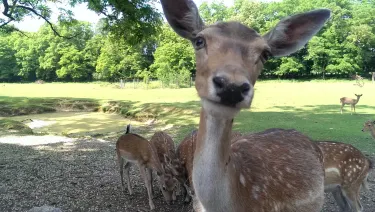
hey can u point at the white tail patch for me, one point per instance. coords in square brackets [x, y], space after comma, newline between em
[332, 170]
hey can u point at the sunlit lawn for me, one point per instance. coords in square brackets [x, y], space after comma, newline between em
[311, 107]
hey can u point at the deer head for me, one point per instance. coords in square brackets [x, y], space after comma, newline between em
[368, 126]
[230, 55]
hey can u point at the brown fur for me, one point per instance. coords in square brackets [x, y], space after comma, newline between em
[346, 170]
[369, 126]
[166, 152]
[350, 101]
[133, 148]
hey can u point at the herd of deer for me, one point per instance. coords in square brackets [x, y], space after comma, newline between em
[275, 170]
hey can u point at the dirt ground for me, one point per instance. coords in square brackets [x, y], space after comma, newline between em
[82, 175]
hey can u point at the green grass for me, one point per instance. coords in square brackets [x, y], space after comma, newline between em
[8, 126]
[311, 107]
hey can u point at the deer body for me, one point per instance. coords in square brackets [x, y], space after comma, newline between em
[254, 173]
[369, 126]
[166, 152]
[346, 170]
[264, 180]
[134, 149]
[349, 101]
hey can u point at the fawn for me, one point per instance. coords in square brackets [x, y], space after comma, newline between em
[346, 170]
[166, 153]
[134, 149]
[350, 101]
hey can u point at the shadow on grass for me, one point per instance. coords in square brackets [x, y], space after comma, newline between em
[320, 122]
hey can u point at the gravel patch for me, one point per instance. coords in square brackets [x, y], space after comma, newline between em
[82, 175]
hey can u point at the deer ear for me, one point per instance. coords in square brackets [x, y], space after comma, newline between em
[373, 122]
[293, 32]
[183, 16]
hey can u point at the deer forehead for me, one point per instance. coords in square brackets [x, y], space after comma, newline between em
[233, 37]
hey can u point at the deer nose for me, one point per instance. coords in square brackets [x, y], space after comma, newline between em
[230, 93]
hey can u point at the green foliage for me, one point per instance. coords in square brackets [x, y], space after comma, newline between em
[174, 59]
[131, 43]
[8, 62]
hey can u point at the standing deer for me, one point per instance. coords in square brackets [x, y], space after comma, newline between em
[134, 149]
[350, 101]
[166, 153]
[346, 170]
[369, 126]
[277, 172]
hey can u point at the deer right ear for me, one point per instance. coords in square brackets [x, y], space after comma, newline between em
[183, 16]
[293, 32]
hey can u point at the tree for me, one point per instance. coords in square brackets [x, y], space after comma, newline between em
[8, 63]
[130, 20]
[174, 58]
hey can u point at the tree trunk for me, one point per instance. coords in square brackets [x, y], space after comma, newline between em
[373, 77]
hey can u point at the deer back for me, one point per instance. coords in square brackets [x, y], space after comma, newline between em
[135, 149]
[274, 163]
[164, 146]
[344, 164]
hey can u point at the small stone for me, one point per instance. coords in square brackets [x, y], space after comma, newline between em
[45, 208]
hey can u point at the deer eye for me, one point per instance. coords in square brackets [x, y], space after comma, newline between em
[264, 56]
[199, 42]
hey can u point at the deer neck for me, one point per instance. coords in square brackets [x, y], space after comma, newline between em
[211, 177]
[358, 97]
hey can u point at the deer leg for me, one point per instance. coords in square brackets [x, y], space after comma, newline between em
[120, 162]
[342, 105]
[354, 108]
[127, 176]
[340, 199]
[353, 199]
[149, 178]
[144, 174]
[187, 193]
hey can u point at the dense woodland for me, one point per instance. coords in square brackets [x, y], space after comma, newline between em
[124, 49]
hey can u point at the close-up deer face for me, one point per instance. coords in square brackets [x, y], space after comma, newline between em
[230, 55]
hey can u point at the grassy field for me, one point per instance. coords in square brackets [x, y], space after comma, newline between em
[311, 107]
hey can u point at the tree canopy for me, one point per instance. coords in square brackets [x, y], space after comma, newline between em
[345, 46]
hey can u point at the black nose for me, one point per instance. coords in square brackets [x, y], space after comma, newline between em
[230, 93]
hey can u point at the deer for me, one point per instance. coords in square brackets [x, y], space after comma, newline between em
[346, 171]
[350, 101]
[369, 126]
[166, 153]
[185, 152]
[134, 149]
[276, 172]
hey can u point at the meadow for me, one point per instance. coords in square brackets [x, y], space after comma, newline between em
[311, 107]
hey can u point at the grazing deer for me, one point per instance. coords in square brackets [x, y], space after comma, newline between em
[277, 172]
[346, 170]
[369, 126]
[134, 149]
[166, 153]
[350, 101]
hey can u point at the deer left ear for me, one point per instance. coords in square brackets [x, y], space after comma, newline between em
[183, 16]
[293, 32]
